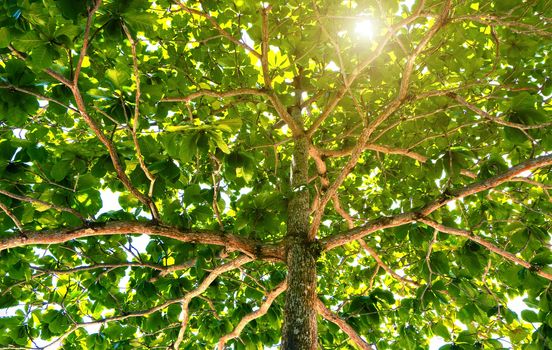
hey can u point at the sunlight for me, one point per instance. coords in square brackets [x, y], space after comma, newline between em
[365, 28]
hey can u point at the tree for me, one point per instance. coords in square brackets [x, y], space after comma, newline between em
[302, 178]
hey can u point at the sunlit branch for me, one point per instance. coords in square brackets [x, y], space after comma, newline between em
[39, 96]
[216, 94]
[232, 242]
[545, 188]
[391, 108]
[14, 218]
[447, 132]
[216, 184]
[489, 183]
[43, 203]
[264, 47]
[428, 262]
[378, 148]
[384, 266]
[48, 71]
[261, 311]
[119, 169]
[486, 115]
[360, 68]
[164, 270]
[342, 212]
[280, 108]
[381, 223]
[135, 121]
[81, 106]
[503, 21]
[215, 24]
[472, 237]
[185, 299]
[283, 113]
[406, 119]
[343, 325]
[201, 288]
[85, 41]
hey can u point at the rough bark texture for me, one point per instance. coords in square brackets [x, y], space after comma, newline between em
[300, 328]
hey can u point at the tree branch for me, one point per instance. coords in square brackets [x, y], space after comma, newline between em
[384, 266]
[219, 28]
[185, 299]
[360, 68]
[265, 47]
[85, 41]
[343, 325]
[378, 148]
[470, 235]
[247, 246]
[39, 96]
[14, 218]
[261, 311]
[391, 108]
[135, 121]
[210, 93]
[381, 223]
[489, 183]
[41, 202]
[494, 119]
[201, 288]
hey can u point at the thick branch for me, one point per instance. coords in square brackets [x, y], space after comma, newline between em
[340, 239]
[113, 154]
[261, 311]
[232, 242]
[85, 41]
[470, 235]
[489, 183]
[343, 325]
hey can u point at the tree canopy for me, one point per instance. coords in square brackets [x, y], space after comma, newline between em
[329, 174]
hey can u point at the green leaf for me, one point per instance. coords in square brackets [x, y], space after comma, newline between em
[441, 330]
[119, 76]
[219, 142]
[71, 9]
[59, 170]
[28, 41]
[5, 37]
[229, 125]
[529, 316]
[43, 55]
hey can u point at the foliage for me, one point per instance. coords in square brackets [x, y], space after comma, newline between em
[429, 167]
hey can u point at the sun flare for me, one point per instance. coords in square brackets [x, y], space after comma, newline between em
[365, 28]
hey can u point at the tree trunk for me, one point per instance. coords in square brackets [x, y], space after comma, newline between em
[300, 327]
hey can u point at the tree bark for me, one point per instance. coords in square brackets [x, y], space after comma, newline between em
[300, 328]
